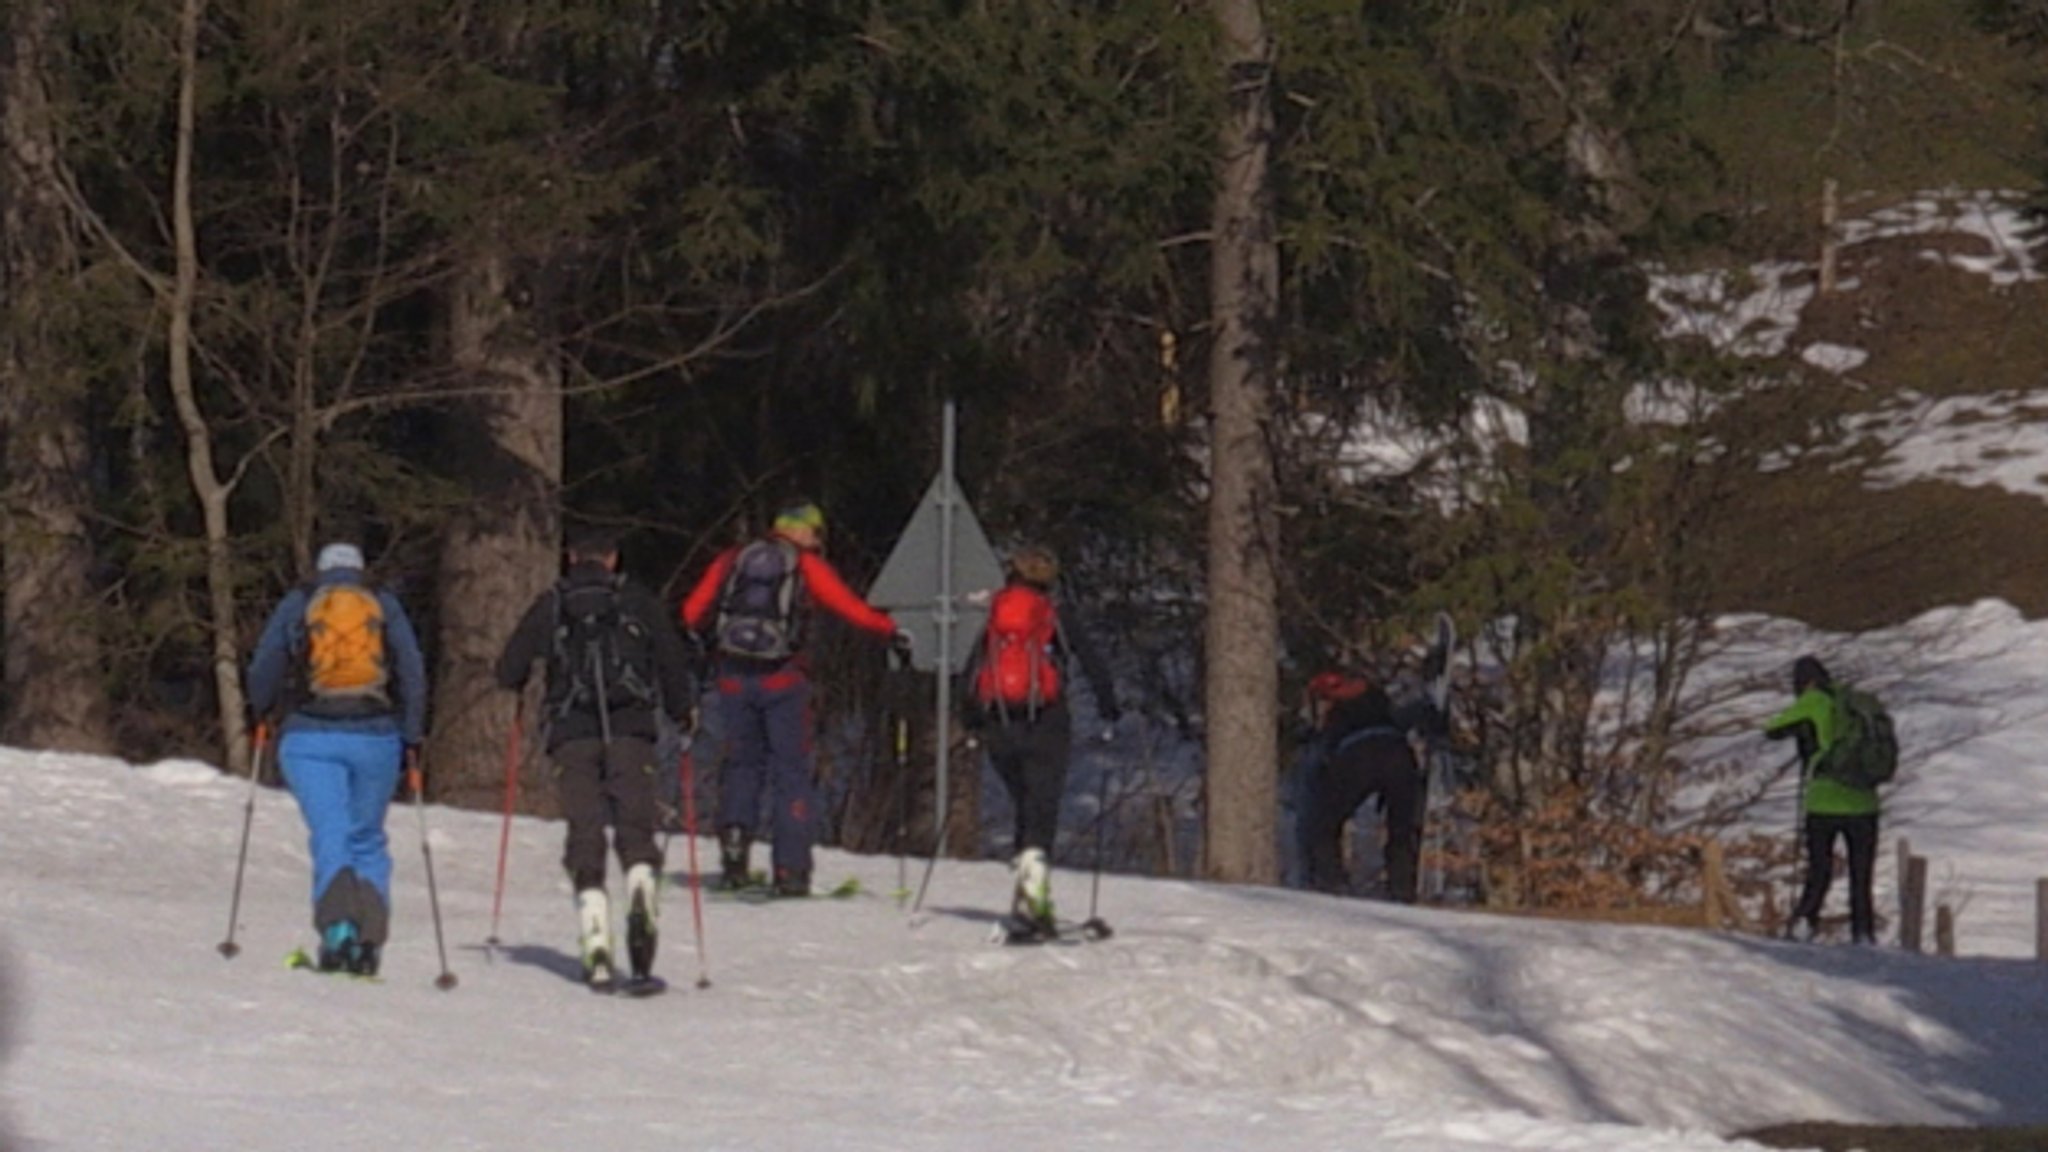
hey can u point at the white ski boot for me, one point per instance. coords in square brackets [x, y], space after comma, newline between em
[1031, 899]
[643, 915]
[594, 931]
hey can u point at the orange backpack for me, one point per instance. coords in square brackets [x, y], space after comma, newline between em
[345, 644]
[1018, 666]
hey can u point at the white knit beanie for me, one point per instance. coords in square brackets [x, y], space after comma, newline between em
[340, 556]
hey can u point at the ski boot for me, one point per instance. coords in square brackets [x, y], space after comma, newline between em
[642, 896]
[790, 883]
[366, 959]
[594, 930]
[340, 946]
[1031, 898]
[734, 848]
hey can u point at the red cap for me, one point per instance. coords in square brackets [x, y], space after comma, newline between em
[1334, 686]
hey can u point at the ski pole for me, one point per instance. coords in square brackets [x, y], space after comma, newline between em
[902, 741]
[446, 980]
[261, 738]
[1095, 926]
[689, 759]
[505, 831]
[931, 862]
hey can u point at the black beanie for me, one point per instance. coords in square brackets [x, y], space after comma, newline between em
[1809, 672]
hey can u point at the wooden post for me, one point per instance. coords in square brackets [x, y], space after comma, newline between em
[1913, 907]
[1905, 866]
[2041, 919]
[1830, 236]
[1713, 887]
[1169, 853]
[1944, 930]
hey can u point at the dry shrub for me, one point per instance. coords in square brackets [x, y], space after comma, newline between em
[1570, 852]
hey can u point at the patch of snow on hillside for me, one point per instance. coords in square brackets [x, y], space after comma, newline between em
[1755, 311]
[1989, 215]
[1744, 313]
[1990, 441]
[1836, 358]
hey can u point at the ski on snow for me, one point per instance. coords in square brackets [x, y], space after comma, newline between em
[1018, 932]
[302, 960]
[630, 988]
[761, 892]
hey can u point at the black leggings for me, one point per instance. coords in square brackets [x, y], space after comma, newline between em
[1860, 834]
[1029, 755]
[1379, 764]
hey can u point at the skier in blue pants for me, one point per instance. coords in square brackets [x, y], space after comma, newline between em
[342, 662]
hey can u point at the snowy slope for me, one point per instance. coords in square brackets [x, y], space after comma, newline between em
[1216, 1019]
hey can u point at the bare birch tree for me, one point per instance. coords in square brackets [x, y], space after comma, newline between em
[212, 491]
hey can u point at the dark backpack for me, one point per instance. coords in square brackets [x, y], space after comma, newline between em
[757, 610]
[1865, 753]
[603, 659]
[1019, 669]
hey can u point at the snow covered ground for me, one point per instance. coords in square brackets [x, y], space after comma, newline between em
[1217, 1018]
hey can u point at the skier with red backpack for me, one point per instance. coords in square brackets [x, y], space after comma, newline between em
[1017, 708]
[755, 600]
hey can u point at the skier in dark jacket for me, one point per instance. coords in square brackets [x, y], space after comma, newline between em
[754, 601]
[1365, 751]
[1832, 808]
[612, 659]
[1027, 731]
[341, 660]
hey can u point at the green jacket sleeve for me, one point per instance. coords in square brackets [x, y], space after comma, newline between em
[1811, 720]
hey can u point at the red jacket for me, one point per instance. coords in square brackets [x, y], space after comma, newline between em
[817, 579]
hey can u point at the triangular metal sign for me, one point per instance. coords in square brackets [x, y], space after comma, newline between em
[909, 587]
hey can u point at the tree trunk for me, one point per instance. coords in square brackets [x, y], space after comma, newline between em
[207, 486]
[55, 695]
[1243, 625]
[501, 549]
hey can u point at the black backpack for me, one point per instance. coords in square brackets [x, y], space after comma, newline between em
[603, 659]
[757, 616]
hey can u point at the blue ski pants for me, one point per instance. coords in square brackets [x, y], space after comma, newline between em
[767, 723]
[344, 782]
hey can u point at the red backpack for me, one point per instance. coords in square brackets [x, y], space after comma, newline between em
[1018, 668]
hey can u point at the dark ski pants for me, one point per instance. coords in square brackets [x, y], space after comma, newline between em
[604, 785]
[344, 781]
[1373, 764]
[1029, 755]
[1300, 792]
[767, 723]
[1859, 833]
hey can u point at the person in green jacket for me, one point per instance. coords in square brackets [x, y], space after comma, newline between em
[1832, 808]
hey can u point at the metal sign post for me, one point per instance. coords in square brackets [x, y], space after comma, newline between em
[943, 566]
